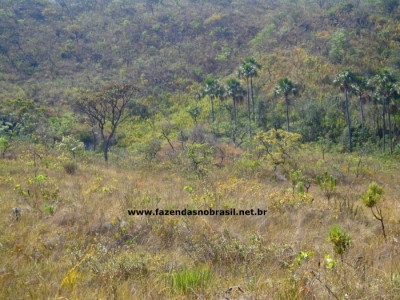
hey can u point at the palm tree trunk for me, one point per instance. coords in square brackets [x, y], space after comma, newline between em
[212, 110]
[390, 131]
[248, 104]
[252, 100]
[362, 116]
[383, 126]
[348, 120]
[234, 110]
[287, 113]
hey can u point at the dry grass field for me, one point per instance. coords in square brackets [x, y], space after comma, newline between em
[71, 236]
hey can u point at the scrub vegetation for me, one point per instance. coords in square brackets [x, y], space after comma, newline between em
[286, 106]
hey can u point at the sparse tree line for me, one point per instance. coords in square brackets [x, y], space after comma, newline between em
[106, 109]
[380, 92]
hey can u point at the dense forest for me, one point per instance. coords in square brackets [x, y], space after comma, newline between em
[290, 106]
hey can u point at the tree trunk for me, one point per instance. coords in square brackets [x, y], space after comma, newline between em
[105, 150]
[287, 113]
[248, 104]
[252, 100]
[362, 116]
[212, 109]
[383, 126]
[390, 131]
[94, 140]
[234, 110]
[348, 120]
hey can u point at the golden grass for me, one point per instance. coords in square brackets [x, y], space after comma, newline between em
[91, 249]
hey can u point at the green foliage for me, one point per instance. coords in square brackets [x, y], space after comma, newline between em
[327, 184]
[277, 145]
[69, 145]
[303, 256]
[149, 149]
[339, 44]
[340, 239]
[62, 126]
[187, 280]
[330, 262]
[371, 199]
[299, 181]
[194, 111]
[199, 158]
[373, 195]
[37, 190]
[285, 87]
[49, 209]
[247, 165]
[4, 145]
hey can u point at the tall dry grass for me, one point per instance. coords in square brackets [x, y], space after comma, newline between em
[90, 248]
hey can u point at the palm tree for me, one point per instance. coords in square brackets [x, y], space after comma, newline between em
[286, 88]
[344, 80]
[244, 72]
[234, 89]
[385, 87]
[214, 90]
[248, 70]
[253, 67]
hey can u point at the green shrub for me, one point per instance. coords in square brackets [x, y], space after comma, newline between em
[327, 185]
[340, 238]
[182, 281]
[373, 195]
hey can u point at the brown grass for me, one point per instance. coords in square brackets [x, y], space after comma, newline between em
[91, 249]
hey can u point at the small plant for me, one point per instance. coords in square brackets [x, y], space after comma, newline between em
[277, 145]
[199, 158]
[70, 167]
[49, 209]
[185, 280]
[150, 149]
[330, 262]
[371, 199]
[299, 182]
[194, 111]
[71, 145]
[303, 256]
[4, 145]
[340, 239]
[327, 183]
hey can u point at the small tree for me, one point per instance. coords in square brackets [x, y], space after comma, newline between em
[71, 145]
[278, 145]
[194, 111]
[199, 157]
[4, 145]
[327, 185]
[299, 181]
[341, 240]
[107, 109]
[371, 199]
[167, 128]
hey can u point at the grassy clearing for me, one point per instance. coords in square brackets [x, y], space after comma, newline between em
[74, 238]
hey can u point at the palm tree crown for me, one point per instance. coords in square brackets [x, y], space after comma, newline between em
[213, 89]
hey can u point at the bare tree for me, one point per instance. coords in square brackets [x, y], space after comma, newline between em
[107, 109]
